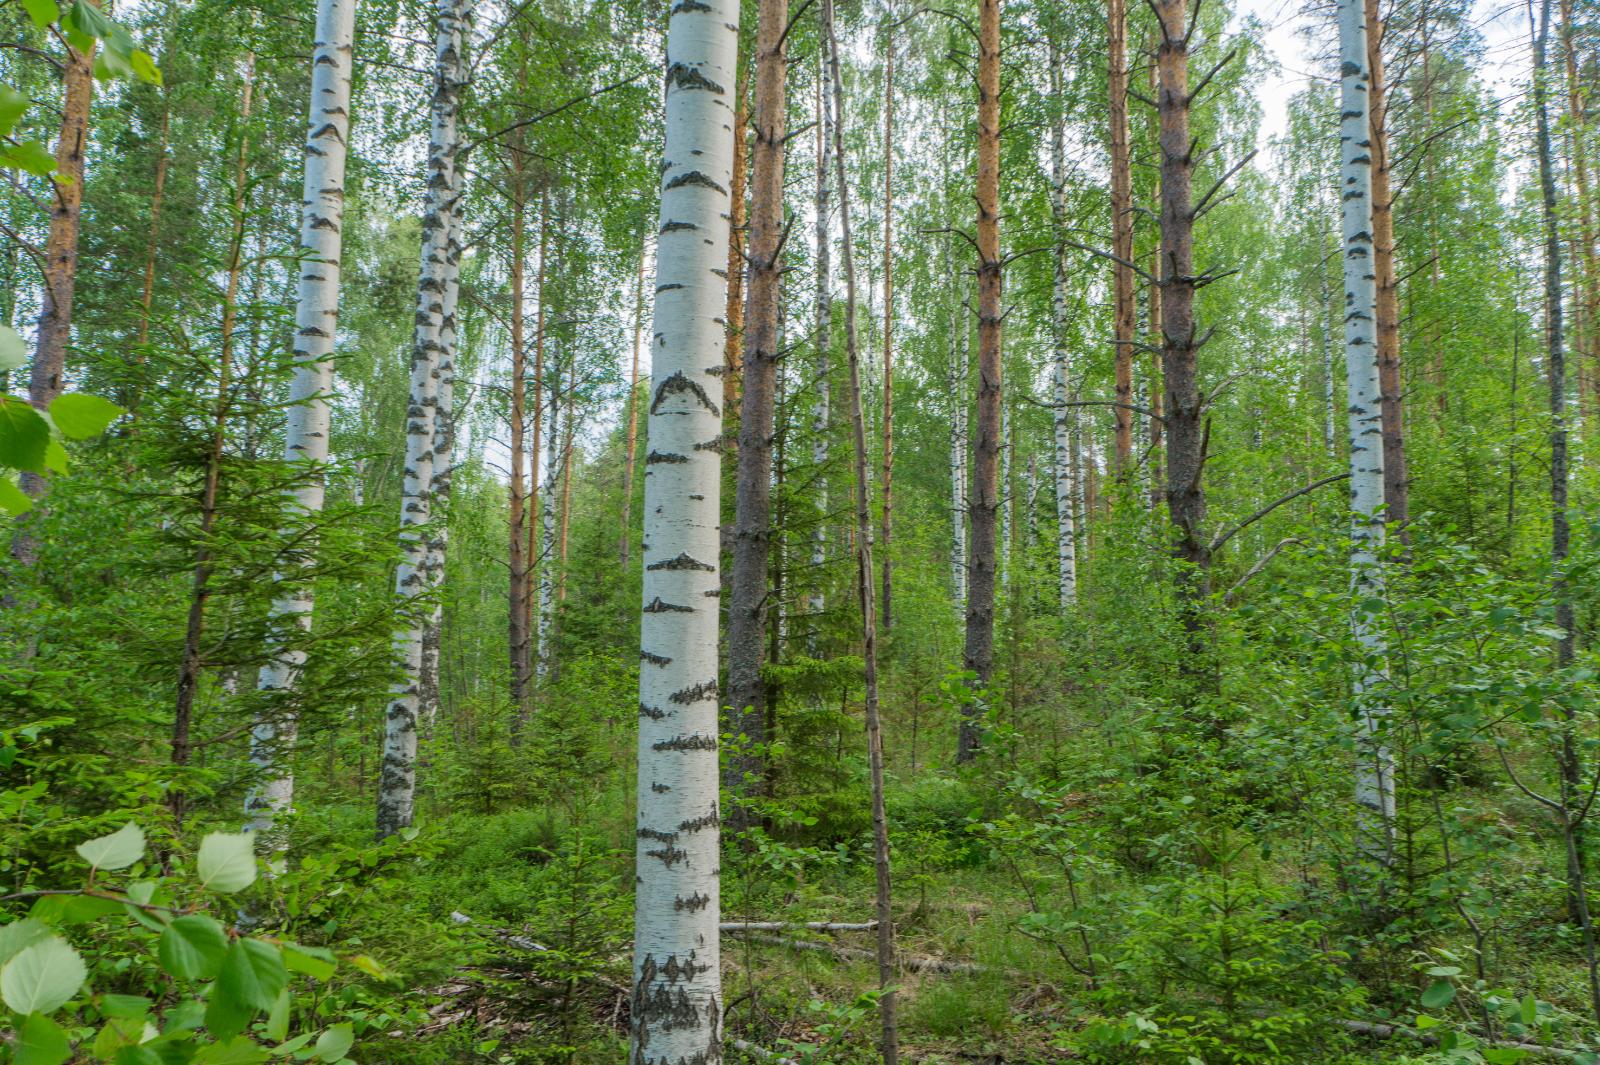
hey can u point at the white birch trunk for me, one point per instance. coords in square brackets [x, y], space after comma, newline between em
[677, 993]
[427, 455]
[1061, 372]
[444, 443]
[958, 461]
[821, 415]
[1374, 791]
[306, 435]
[547, 524]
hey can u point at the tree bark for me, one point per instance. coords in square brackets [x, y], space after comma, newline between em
[822, 415]
[1374, 791]
[1066, 533]
[978, 653]
[536, 561]
[887, 489]
[889, 1041]
[733, 346]
[520, 637]
[427, 455]
[677, 994]
[1586, 338]
[1396, 485]
[625, 546]
[309, 419]
[752, 540]
[1123, 311]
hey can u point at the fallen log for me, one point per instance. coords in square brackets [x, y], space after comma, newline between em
[1379, 1030]
[810, 926]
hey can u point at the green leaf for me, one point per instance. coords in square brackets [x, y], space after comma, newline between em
[80, 416]
[13, 105]
[1503, 1055]
[40, 1041]
[12, 499]
[83, 17]
[241, 1050]
[252, 973]
[124, 1005]
[277, 1028]
[192, 947]
[55, 457]
[18, 935]
[315, 962]
[43, 12]
[227, 861]
[145, 891]
[225, 1016]
[42, 977]
[23, 436]
[1424, 1022]
[31, 156]
[1530, 1010]
[1439, 993]
[144, 67]
[140, 1055]
[334, 1042]
[124, 846]
[74, 909]
[13, 349]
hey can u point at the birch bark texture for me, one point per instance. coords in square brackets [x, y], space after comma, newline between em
[1061, 370]
[427, 456]
[821, 413]
[677, 994]
[306, 434]
[1374, 784]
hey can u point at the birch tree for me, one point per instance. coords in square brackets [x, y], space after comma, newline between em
[306, 436]
[1375, 763]
[821, 415]
[677, 992]
[1066, 534]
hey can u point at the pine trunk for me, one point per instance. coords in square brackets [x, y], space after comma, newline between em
[309, 419]
[1392, 388]
[978, 653]
[677, 996]
[1375, 763]
[1124, 316]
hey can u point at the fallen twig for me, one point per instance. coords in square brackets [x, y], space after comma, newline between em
[813, 926]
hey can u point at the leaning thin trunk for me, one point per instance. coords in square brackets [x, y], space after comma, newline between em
[309, 418]
[427, 430]
[821, 416]
[752, 540]
[677, 992]
[887, 489]
[1123, 311]
[889, 1041]
[1395, 483]
[1374, 761]
[1066, 534]
[984, 506]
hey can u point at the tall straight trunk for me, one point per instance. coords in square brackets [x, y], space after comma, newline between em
[960, 378]
[752, 539]
[733, 345]
[309, 420]
[444, 437]
[536, 563]
[625, 540]
[1186, 430]
[1324, 289]
[1586, 334]
[545, 655]
[153, 244]
[427, 437]
[984, 506]
[1061, 373]
[889, 1040]
[1396, 486]
[521, 645]
[1122, 292]
[822, 416]
[677, 992]
[192, 659]
[60, 268]
[563, 539]
[887, 491]
[1374, 762]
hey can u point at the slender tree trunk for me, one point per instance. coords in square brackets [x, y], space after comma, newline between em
[153, 244]
[309, 418]
[822, 415]
[537, 566]
[1123, 311]
[547, 528]
[564, 539]
[1374, 794]
[960, 379]
[1586, 339]
[427, 433]
[888, 321]
[1324, 311]
[978, 654]
[733, 346]
[625, 546]
[1396, 488]
[752, 542]
[1066, 533]
[520, 638]
[889, 1041]
[192, 659]
[444, 438]
[1186, 426]
[677, 996]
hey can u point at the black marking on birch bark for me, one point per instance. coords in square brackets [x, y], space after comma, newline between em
[313, 331]
[659, 606]
[660, 789]
[686, 77]
[704, 821]
[654, 659]
[682, 562]
[679, 383]
[694, 177]
[669, 457]
[684, 7]
[669, 856]
[693, 903]
[718, 445]
[657, 835]
[696, 496]
[673, 227]
[686, 743]
[704, 690]
[653, 713]
[719, 369]
[668, 288]
[720, 273]
[715, 593]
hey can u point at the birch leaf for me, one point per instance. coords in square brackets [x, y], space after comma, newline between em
[227, 861]
[118, 850]
[41, 978]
